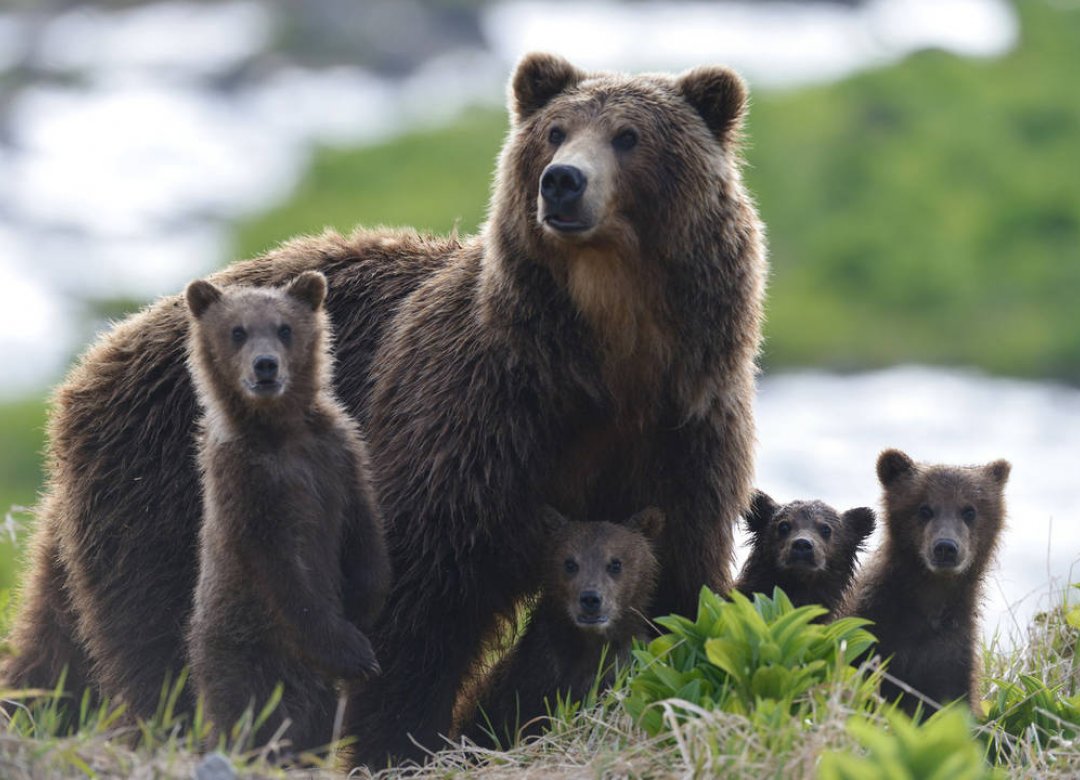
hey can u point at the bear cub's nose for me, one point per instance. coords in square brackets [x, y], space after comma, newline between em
[590, 602]
[802, 546]
[946, 552]
[266, 368]
[562, 185]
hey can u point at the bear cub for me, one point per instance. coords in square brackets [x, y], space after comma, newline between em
[599, 579]
[806, 548]
[293, 567]
[923, 586]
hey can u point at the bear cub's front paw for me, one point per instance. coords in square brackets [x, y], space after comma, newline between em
[358, 657]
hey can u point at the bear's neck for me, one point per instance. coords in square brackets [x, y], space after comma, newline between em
[825, 587]
[940, 599]
[272, 423]
[609, 290]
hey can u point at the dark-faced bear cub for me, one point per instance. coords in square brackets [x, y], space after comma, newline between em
[599, 579]
[806, 548]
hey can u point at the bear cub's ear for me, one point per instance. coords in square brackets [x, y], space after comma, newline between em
[649, 522]
[552, 519]
[861, 521]
[537, 79]
[894, 465]
[761, 512]
[200, 295]
[999, 471]
[309, 288]
[719, 95]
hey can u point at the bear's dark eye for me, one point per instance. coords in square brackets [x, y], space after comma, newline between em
[784, 528]
[625, 140]
[967, 514]
[615, 566]
[239, 335]
[556, 136]
[825, 531]
[284, 333]
[925, 513]
[570, 565]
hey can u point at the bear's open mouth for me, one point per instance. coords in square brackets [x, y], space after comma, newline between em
[592, 620]
[565, 224]
[265, 388]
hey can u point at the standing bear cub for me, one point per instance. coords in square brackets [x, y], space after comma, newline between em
[923, 586]
[599, 578]
[293, 567]
[806, 548]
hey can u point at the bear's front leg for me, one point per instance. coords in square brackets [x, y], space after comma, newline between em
[706, 474]
[427, 638]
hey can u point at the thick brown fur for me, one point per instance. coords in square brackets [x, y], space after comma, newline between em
[487, 384]
[806, 548]
[292, 562]
[111, 578]
[925, 614]
[570, 643]
[505, 383]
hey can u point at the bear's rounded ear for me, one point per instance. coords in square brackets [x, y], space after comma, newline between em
[719, 94]
[537, 79]
[200, 295]
[552, 519]
[649, 522]
[761, 511]
[998, 471]
[309, 288]
[861, 520]
[894, 465]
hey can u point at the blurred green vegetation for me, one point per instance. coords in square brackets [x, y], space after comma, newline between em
[22, 434]
[928, 211]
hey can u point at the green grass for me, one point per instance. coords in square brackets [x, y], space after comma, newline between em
[928, 211]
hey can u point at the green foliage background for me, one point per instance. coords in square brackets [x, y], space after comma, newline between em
[927, 211]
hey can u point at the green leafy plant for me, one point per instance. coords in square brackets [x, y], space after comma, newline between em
[940, 748]
[1030, 708]
[764, 658]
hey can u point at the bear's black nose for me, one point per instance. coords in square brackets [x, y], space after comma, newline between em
[562, 185]
[590, 602]
[802, 546]
[266, 367]
[946, 552]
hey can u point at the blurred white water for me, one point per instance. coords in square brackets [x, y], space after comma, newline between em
[773, 44]
[820, 435]
[149, 128]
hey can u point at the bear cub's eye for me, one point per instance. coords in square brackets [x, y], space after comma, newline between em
[625, 140]
[925, 513]
[784, 528]
[825, 531]
[570, 565]
[239, 335]
[968, 514]
[615, 566]
[284, 333]
[556, 136]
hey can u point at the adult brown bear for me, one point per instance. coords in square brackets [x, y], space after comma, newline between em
[593, 348]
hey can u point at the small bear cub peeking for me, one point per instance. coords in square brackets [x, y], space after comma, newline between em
[293, 568]
[923, 587]
[805, 548]
[599, 579]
